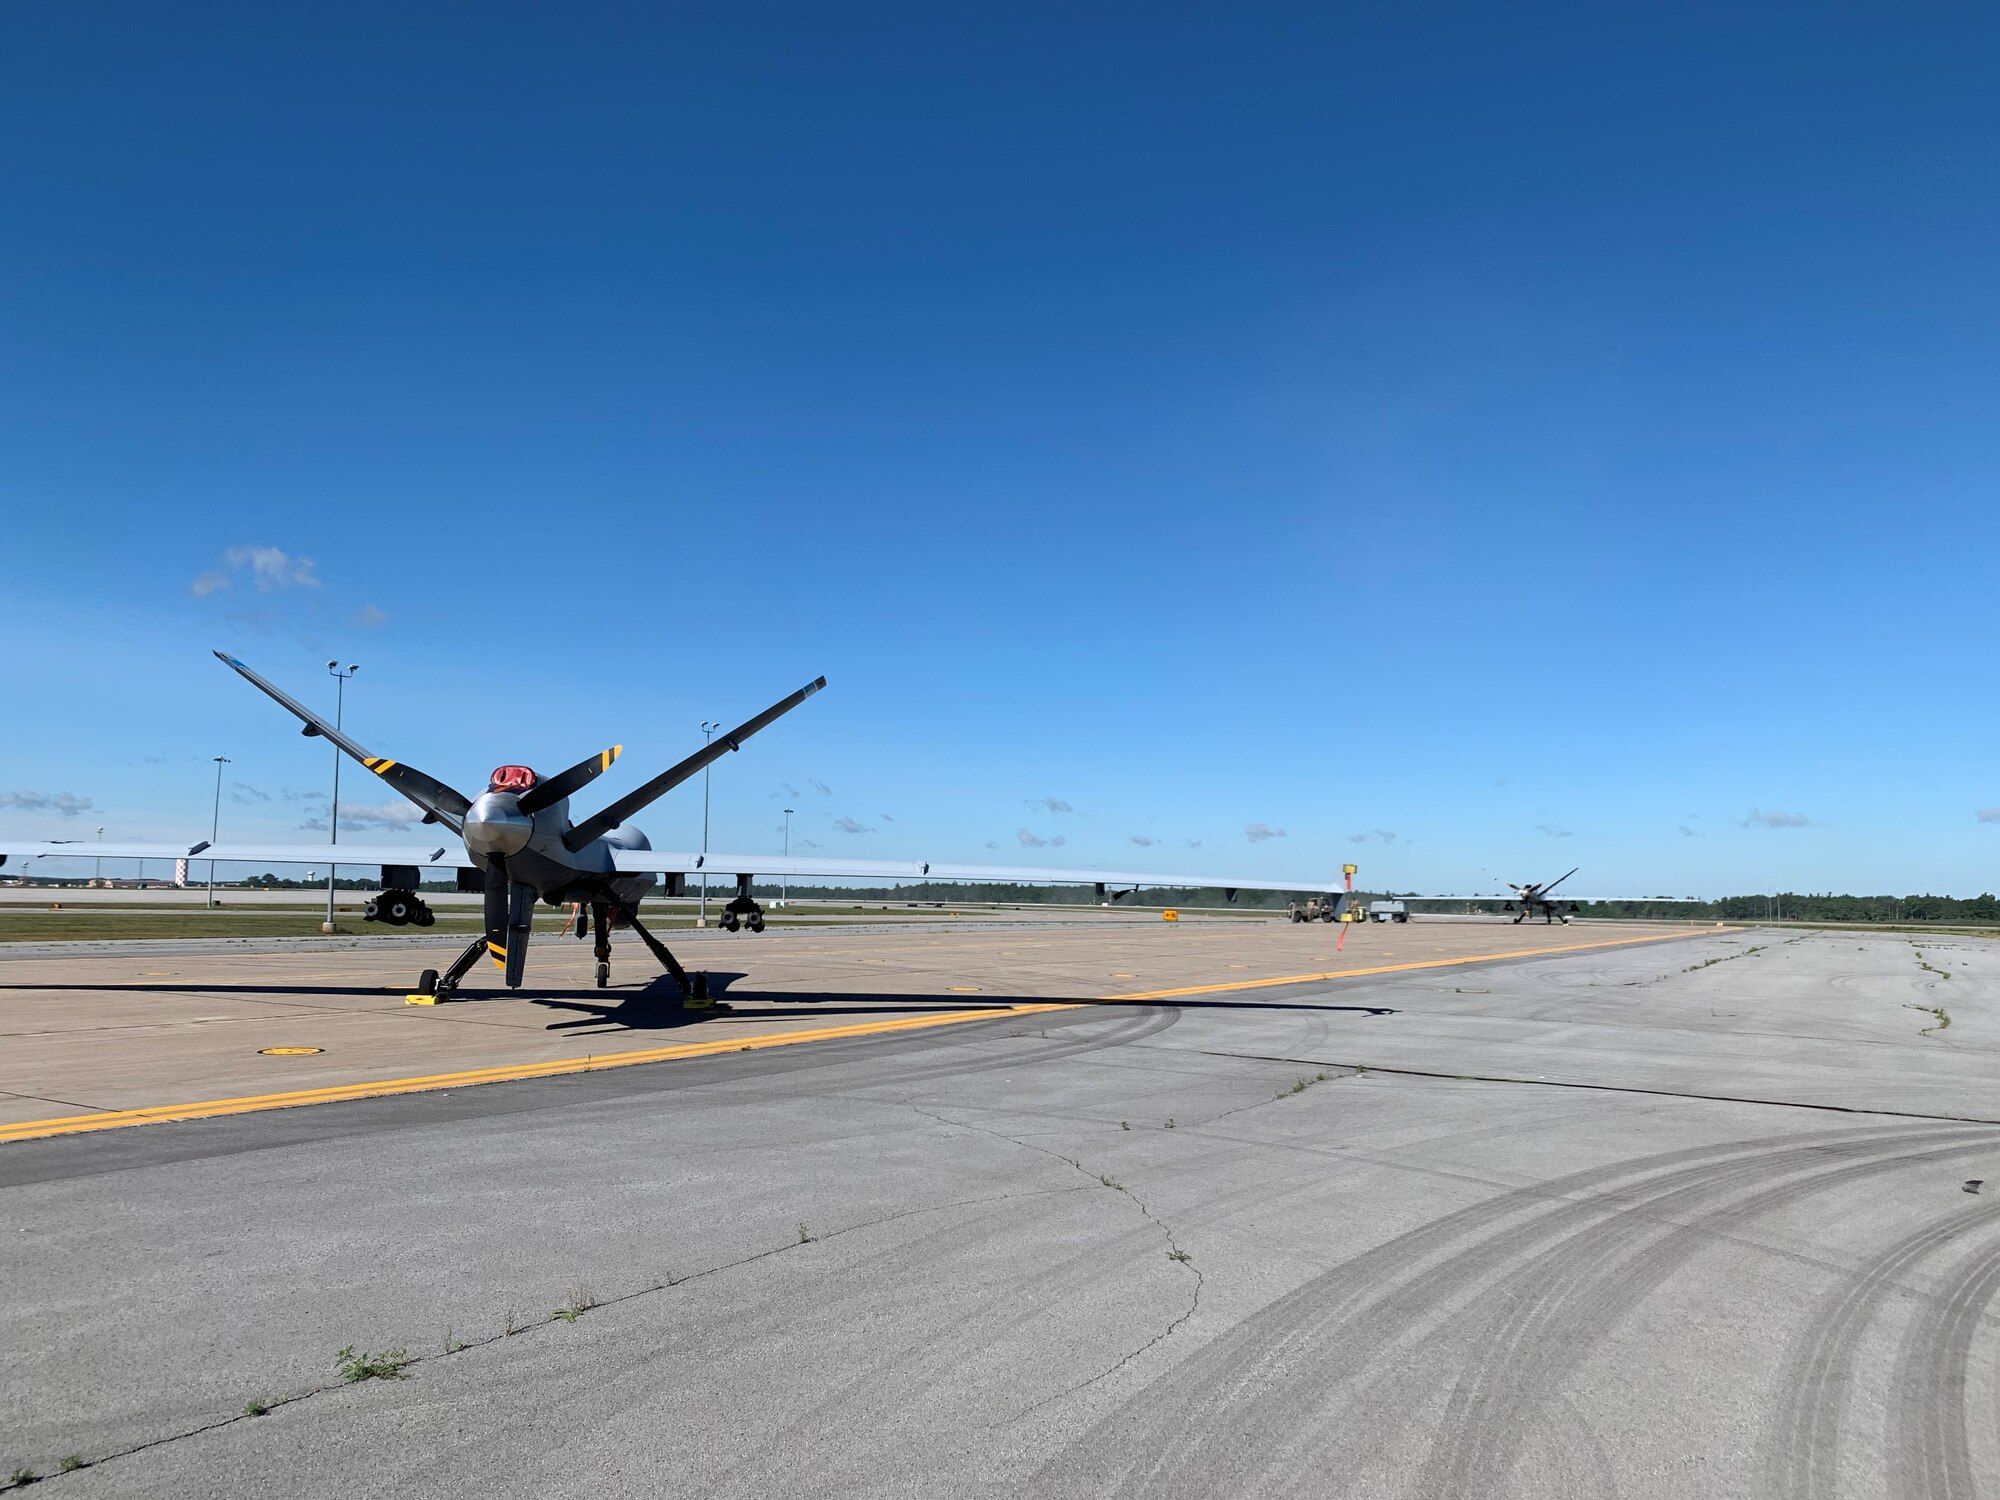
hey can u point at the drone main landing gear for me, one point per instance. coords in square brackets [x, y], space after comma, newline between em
[744, 910]
[694, 988]
[435, 990]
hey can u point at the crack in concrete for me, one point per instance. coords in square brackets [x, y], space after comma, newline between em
[1175, 1253]
[1616, 1088]
[512, 1330]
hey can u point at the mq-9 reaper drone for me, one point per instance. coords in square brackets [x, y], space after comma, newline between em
[519, 846]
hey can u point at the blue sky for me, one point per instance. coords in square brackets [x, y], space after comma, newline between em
[1474, 441]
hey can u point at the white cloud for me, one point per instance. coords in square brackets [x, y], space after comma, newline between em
[991, 845]
[1051, 804]
[848, 825]
[1258, 832]
[1143, 840]
[62, 804]
[268, 567]
[394, 817]
[1555, 831]
[1988, 814]
[819, 786]
[370, 617]
[1759, 818]
[1383, 834]
[1688, 833]
[1036, 841]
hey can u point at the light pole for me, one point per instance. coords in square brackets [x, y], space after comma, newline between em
[333, 819]
[785, 887]
[708, 728]
[215, 824]
[97, 878]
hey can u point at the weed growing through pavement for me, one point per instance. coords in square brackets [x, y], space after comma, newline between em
[71, 1463]
[1170, 1122]
[805, 1235]
[1943, 1016]
[1303, 1084]
[23, 1475]
[255, 1408]
[580, 1302]
[1180, 1255]
[354, 1368]
[512, 1326]
[1112, 1183]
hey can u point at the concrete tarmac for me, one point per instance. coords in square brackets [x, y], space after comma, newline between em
[1708, 1216]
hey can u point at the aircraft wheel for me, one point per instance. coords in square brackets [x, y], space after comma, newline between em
[426, 917]
[730, 921]
[398, 911]
[427, 982]
[603, 976]
[755, 921]
[371, 910]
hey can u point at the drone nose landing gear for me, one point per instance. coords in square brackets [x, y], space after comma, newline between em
[744, 910]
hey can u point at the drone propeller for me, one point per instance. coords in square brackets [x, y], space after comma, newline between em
[596, 827]
[510, 914]
[1558, 881]
[441, 804]
[548, 793]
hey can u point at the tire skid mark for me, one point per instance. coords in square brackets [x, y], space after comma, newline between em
[1277, 1370]
[1807, 1430]
[1555, 1311]
[1930, 1453]
[1147, 1021]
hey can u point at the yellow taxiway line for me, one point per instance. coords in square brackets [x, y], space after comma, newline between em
[379, 1088]
[1427, 963]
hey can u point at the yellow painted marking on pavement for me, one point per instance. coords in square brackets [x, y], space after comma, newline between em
[336, 1093]
[287, 1051]
[1427, 963]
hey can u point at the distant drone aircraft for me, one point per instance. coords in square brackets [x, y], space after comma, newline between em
[519, 845]
[1535, 898]
[1532, 899]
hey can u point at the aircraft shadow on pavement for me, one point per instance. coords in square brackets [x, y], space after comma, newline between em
[658, 1006]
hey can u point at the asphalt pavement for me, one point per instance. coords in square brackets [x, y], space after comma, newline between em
[1711, 1216]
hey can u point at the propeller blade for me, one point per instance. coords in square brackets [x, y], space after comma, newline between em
[548, 793]
[510, 913]
[496, 909]
[596, 827]
[441, 804]
[520, 918]
[1554, 883]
